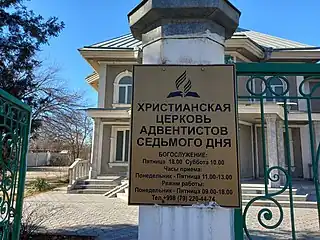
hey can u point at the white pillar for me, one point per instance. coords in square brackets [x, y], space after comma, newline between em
[96, 149]
[102, 85]
[305, 151]
[316, 128]
[281, 149]
[272, 147]
[188, 37]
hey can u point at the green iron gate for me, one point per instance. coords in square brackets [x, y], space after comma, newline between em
[14, 127]
[260, 84]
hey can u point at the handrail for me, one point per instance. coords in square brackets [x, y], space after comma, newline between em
[78, 170]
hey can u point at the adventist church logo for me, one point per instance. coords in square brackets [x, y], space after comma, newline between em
[183, 87]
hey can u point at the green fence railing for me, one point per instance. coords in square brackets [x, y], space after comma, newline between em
[14, 136]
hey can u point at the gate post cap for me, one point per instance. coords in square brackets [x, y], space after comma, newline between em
[150, 14]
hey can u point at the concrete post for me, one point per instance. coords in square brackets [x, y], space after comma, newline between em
[271, 147]
[281, 150]
[93, 172]
[316, 127]
[184, 32]
[306, 151]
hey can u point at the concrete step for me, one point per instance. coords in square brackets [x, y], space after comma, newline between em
[92, 186]
[110, 178]
[299, 198]
[261, 190]
[252, 185]
[285, 204]
[126, 191]
[89, 191]
[98, 182]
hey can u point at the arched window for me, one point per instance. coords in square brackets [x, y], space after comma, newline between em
[123, 88]
[278, 86]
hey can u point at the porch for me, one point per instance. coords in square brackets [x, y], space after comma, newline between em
[110, 152]
[303, 191]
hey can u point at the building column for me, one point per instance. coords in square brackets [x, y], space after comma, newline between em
[181, 33]
[272, 147]
[316, 129]
[96, 149]
[281, 151]
[102, 85]
[305, 151]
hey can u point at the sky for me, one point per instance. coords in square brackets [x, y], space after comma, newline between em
[91, 21]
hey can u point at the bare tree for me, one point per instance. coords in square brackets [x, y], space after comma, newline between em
[53, 96]
[70, 130]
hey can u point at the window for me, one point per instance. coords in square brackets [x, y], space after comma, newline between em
[123, 88]
[278, 86]
[122, 145]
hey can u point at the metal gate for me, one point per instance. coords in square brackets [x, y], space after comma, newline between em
[290, 92]
[14, 132]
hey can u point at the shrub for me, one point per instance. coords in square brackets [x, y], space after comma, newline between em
[34, 216]
[40, 185]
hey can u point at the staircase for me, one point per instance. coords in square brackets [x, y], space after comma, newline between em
[117, 187]
[101, 185]
[250, 191]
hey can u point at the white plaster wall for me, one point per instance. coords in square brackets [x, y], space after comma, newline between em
[38, 159]
[204, 49]
[185, 223]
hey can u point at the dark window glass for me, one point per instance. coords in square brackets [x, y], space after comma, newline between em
[122, 94]
[119, 148]
[129, 95]
[126, 80]
[126, 151]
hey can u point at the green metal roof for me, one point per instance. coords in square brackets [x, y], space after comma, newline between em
[264, 40]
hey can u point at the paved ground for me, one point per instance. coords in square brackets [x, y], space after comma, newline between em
[113, 219]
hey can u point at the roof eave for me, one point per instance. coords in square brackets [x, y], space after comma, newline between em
[306, 55]
[95, 56]
[245, 44]
[93, 80]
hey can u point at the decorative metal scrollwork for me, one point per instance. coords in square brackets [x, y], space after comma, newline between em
[14, 130]
[304, 83]
[272, 82]
[266, 85]
[267, 213]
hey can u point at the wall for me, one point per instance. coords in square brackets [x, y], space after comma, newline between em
[259, 148]
[245, 149]
[315, 103]
[242, 88]
[293, 91]
[298, 173]
[38, 159]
